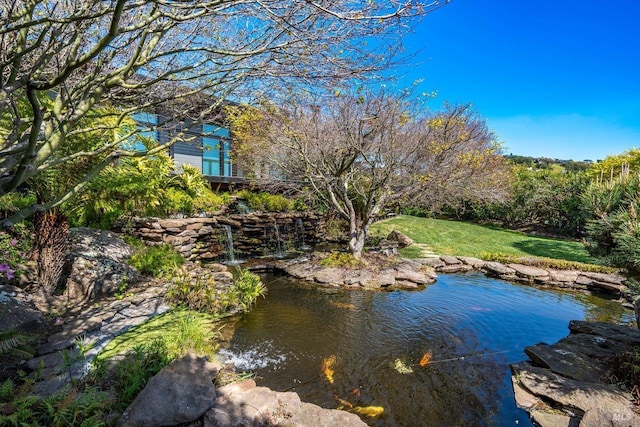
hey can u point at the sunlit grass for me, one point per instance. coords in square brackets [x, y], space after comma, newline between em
[181, 331]
[464, 239]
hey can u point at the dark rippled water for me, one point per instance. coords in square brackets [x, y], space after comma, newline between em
[472, 325]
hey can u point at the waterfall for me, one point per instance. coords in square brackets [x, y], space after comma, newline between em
[299, 230]
[231, 259]
[279, 246]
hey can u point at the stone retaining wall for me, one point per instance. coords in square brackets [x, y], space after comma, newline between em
[254, 234]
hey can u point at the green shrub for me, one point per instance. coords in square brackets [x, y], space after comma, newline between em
[613, 234]
[247, 287]
[159, 260]
[194, 293]
[202, 294]
[14, 201]
[341, 259]
[266, 202]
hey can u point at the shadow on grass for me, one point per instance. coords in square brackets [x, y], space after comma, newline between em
[570, 251]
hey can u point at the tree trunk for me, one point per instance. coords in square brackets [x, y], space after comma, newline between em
[51, 232]
[356, 243]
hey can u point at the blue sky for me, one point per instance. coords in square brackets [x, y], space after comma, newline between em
[554, 78]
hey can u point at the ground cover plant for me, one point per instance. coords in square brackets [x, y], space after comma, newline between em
[464, 239]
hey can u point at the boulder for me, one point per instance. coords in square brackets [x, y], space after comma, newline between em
[402, 239]
[18, 310]
[601, 404]
[244, 404]
[96, 265]
[180, 393]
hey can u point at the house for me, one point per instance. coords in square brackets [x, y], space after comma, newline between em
[207, 146]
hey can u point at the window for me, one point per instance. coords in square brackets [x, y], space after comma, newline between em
[216, 150]
[146, 122]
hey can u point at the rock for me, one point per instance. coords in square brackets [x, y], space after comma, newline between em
[476, 263]
[602, 404]
[454, 268]
[450, 260]
[331, 276]
[412, 276]
[245, 404]
[96, 266]
[433, 262]
[550, 419]
[18, 311]
[604, 278]
[402, 239]
[311, 415]
[636, 310]
[529, 271]
[619, 333]
[524, 399]
[383, 279]
[564, 276]
[358, 277]
[498, 268]
[180, 393]
[566, 361]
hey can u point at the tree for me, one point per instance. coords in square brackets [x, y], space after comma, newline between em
[362, 151]
[61, 60]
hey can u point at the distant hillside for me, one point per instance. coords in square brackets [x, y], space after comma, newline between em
[546, 163]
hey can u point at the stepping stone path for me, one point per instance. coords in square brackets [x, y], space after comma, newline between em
[59, 359]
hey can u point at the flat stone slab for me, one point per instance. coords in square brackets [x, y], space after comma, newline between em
[624, 334]
[549, 419]
[450, 260]
[565, 276]
[528, 271]
[566, 361]
[454, 268]
[498, 268]
[413, 276]
[603, 401]
[434, 262]
[473, 262]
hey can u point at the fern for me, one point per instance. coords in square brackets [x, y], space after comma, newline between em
[6, 390]
[15, 342]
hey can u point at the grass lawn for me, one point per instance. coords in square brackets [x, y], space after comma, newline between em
[464, 239]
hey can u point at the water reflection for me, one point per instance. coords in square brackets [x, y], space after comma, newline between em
[473, 327]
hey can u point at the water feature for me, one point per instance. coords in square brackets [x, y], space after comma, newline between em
[471, 325]
[231, 258]
[299, 231]
[280, 246]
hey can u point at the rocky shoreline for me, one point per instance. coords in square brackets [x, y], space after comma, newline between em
[567, 383]
[558, 386]
[381, 272]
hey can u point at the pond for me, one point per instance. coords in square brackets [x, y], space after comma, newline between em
[435, 357]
